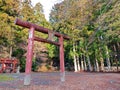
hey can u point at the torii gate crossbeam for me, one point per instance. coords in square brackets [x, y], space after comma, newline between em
[32, 28]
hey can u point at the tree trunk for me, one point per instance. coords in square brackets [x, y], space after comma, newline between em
[78, 63]
[82, 64]
[115, 50]
[89, 64]
[101, 60]
[107, 58]
[97, 65]
[118, 44]
[102, 63]
[94, 67]
[85, 65]
[116, 63]
[10, 55]
[75, 60]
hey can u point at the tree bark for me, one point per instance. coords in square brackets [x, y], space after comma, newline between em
[118, 44]
[97, 65]
[10, 55]
[115, 50]
[75, 60]
[85, 65]
[82, 64]
[107, 58]
[102, 63]
[89, 63]
[78, 63]
[88, 59]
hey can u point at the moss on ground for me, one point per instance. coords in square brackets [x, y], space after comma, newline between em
[6, 78]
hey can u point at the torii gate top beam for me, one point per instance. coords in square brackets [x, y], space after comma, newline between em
[38, 28]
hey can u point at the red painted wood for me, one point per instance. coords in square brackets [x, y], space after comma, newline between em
[31, 41]
[5, 62]
[62, 66]
[46, 41]
[29, 51]
[38, 28]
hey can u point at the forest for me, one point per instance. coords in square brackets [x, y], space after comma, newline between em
[92, 25]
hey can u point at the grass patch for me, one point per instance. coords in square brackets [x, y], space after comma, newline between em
[5, 78]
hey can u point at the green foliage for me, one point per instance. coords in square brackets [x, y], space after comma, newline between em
[22, 63]
[34, 65]
[18, 53]
[51, 50]
[94, 24]
[14, 36]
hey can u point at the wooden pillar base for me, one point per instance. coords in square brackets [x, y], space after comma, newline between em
[27, 79]
[62, 75]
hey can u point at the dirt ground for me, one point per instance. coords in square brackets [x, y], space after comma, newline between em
[74, 81]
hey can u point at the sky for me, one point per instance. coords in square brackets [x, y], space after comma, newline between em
[47, 5]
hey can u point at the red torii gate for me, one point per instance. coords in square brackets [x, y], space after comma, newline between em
[32, 28]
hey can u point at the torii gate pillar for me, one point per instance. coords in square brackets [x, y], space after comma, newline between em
[28, 66]
[31, 39]
[62, 66]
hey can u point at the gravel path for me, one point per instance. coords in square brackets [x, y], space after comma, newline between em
[74, 81]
